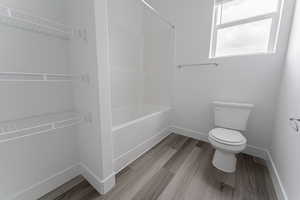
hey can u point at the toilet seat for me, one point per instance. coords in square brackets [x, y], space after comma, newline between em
[227, 137]
[227, 143]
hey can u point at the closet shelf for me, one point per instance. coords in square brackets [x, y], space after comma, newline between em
[34, 125]
[20, 76]
[22, 20]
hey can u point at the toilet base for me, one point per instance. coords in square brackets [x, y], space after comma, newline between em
[224, 161]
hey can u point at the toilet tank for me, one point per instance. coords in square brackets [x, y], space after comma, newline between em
[232, 115]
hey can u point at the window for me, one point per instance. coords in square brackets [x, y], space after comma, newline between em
[245, 27]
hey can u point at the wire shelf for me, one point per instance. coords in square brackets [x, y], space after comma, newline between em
[22, 20]
[34, 125]
[23, 77]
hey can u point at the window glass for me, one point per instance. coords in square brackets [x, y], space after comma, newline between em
[246, 38]
[233, 10]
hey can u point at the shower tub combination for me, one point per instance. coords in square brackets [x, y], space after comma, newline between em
[136, 130]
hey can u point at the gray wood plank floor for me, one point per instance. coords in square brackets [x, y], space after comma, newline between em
[178, 168]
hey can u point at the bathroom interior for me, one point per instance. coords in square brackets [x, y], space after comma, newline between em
[149, 99]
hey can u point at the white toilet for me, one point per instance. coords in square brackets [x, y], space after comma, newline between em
[230, 119]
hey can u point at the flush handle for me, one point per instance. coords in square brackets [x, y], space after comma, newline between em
[295, 124]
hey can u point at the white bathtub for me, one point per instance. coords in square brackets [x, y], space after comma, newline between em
[136, 130]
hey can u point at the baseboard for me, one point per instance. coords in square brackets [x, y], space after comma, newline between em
[43, 187]
[125, 159]
[250, 150]
[256, 152]
[279, 189]
[189, 133]
[102, 186]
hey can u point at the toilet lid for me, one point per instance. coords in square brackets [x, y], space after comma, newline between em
[228, 136]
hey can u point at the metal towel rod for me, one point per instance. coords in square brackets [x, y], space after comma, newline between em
[194, 65]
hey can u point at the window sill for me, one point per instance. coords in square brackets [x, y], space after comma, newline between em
[243, 55]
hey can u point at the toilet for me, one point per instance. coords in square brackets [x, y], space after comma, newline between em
[227, 138]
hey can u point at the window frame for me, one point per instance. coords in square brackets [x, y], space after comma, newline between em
[274, 32]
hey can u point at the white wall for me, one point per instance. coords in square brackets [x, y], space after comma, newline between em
[29, 160]
[252, 79]
[82, 59]
[104, 93]
[286, 142]
[91, 57]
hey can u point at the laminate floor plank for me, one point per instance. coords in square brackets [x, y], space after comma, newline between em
[268, 183]
[141, 161]
[153, 188]
[249, 183]
[175, 162]
[244, 182]
[140, 177]
[138, 184]
[178, 142]
[78, 192]
[91, 196]
[213, 188]
[182, 179]
[199, 183]
[63, 189]
[262, 183]
[174, 141]
[178, 168]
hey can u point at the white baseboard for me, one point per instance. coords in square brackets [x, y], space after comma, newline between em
[125, 159]
[102, 186]
[256, 152]
[43, 187]
[190, 133]
[250, 150]
[279, 189]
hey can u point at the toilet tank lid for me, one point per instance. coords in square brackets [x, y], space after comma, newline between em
[232, 104]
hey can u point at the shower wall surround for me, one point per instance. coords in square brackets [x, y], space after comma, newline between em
[141, 59]
[141, 56]
[126, 52]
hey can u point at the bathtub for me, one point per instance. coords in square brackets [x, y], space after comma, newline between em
[136, 130]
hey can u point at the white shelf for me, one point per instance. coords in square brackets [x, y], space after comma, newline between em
[25, 21]
[23, 77]
[34, 125]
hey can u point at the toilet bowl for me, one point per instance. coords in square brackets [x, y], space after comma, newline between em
[228, 139]
[227, 144]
